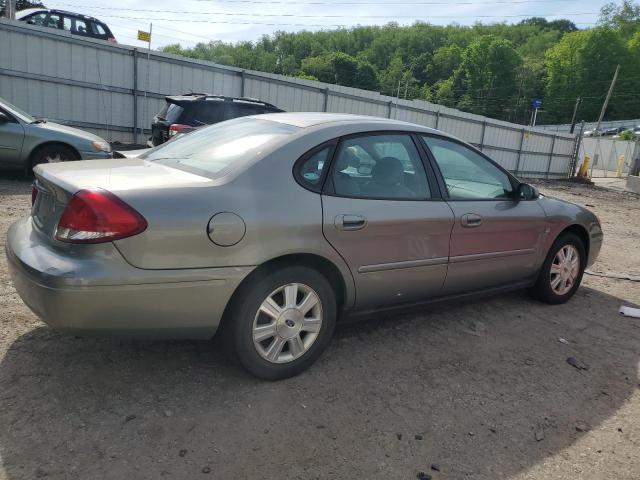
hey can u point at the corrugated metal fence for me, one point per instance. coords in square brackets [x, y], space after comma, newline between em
[101, 87]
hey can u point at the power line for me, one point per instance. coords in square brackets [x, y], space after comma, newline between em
[298, 15]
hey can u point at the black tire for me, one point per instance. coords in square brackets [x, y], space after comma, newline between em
[543, 290]
[49, 152]
[239, 321]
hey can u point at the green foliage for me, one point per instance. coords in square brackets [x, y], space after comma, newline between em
[627, 135]
[490, 69]
[20, 5]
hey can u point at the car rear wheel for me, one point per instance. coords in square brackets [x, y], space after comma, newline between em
[282, 322]
[52, 154]
[562, 270]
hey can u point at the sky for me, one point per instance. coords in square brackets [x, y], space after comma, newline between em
[192, 21]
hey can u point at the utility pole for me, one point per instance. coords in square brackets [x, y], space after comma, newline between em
[606, 100]
[10, 9]
[575, 113]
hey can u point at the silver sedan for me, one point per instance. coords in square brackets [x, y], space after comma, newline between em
[26, 141]
[269, 228]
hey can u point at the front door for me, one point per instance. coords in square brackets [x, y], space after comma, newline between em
[382, 215]
[11, 140]
[496, 239]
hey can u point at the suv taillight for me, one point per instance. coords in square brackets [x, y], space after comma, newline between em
[97, 216]
[34, 195]
[112, 40]
[176, 128]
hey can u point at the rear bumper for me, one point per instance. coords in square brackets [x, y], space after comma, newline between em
[94, 291]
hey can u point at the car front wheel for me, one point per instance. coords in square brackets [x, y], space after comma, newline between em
[52, 154]
[562, 270]
[282, 322]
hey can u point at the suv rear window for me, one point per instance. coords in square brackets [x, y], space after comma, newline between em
[170, 112]
[214, 150]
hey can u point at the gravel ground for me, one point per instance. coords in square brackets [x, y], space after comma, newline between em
[480, 389]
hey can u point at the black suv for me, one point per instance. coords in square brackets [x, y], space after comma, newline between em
[75, 23]
[183, 113]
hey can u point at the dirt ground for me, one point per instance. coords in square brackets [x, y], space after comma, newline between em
[479, 390]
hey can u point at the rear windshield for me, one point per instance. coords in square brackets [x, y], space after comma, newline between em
[170, 112]
[214, 149]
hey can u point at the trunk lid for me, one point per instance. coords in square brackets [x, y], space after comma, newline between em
[58, 182]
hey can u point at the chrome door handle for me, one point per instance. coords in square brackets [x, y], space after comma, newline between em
[350, 222]
[471, 220]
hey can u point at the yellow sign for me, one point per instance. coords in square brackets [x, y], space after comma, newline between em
[144, 36]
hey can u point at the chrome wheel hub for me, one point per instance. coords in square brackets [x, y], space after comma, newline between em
[287, 323]
[565, 269]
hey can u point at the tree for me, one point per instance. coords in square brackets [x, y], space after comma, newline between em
[624, 17]
[20, 5]
[488, 73]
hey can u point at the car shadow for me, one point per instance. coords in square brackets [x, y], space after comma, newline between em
[483, 389]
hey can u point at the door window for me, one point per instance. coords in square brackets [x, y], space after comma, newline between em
[207, 112]
[66, 24]
[81, 27]
[380, 166]
[38, 19]
[467, 174]
[53, 21]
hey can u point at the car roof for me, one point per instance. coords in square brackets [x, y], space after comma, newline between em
[23, 13]
[314, 119]
[194, 97]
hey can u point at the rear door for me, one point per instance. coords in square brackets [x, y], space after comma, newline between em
[496, 238]
[11, 140]
[383, 214]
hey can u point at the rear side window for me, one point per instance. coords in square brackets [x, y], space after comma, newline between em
[53, 21]
[81, 27]
[236, 109]
[212, 150]
[310, 168]
[98, 30]
[207, 112]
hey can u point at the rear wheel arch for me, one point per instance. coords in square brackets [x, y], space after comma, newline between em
[317, 262]
[52, 144]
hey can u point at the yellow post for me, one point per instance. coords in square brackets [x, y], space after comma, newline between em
[620, 166]
[584, 168]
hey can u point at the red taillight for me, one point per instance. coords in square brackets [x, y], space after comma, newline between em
[34, 195]
[176, 128]
[112, 40]
[96, 216]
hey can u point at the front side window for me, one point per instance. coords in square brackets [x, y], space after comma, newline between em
[215, 149]
[467, 174]
[38, 19]
[380, 166]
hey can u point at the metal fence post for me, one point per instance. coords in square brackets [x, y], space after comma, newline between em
[325, 107]
[389, 107]
[484, 128]
[553, 144]
[573, 163]
[242, 79]
[135, 95]
[520, 151]
[437, 119]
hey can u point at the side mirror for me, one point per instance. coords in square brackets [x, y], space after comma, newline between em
[525, 191]
[3, 118]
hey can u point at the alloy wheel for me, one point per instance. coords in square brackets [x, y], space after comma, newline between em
[565, 269]
[287, 323]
